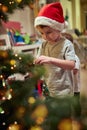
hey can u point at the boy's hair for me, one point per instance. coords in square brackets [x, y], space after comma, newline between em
[42, 26]
[68, 36]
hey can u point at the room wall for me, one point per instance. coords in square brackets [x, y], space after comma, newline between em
[73, 8]
[26, 18]
[76, 9]
[67, 7]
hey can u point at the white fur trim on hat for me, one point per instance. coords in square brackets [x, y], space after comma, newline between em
[40, 20]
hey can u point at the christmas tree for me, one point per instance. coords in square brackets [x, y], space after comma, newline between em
[21, 106]
[18, 80]
[8, 6]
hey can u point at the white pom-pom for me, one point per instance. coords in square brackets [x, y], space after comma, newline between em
[66, 25]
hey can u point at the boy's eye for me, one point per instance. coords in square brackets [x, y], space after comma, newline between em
[45, 33]
[49, 32]
[40, 33]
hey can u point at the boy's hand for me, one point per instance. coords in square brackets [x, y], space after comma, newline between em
[43, 59]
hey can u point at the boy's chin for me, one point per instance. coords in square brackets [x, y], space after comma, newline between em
[52, 42]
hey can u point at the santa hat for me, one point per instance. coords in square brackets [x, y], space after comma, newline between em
[51, 15]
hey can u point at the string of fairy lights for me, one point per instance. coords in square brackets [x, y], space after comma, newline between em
[12, 63]
[37, 114]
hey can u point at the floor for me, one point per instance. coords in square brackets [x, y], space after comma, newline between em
[84, 82]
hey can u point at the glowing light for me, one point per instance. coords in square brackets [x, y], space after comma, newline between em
[15, 66]
[12, 67]
[16, 55]
[15, 122]
[20, 58]
[11, 2]
[3, 123]
[3, 83]
[14, 127]
[2, 111]
[1, 76]
[9, 97]
[3, 98]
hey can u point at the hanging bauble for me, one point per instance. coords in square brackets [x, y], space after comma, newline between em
[20, 112]
[4, 8]
[36, 128]
[3, 54]
[12, 62]
[65, 124]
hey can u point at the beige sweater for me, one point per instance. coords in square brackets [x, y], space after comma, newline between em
[58, 80]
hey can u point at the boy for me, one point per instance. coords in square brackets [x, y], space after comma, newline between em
[57, 53]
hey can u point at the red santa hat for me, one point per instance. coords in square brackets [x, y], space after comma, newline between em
[51, 15]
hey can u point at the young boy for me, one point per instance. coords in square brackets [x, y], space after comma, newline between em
[57, 53]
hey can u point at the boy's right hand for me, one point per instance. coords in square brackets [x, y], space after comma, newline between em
[42, 59]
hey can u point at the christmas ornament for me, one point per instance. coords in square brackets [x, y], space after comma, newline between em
[35, 128]
[4, 8]
[15, 127]
[19, 1]
[3, 54]
[40, 111]
[12, 62]
[20, 112]
[76, 125]
[31, 100]
[65, 124]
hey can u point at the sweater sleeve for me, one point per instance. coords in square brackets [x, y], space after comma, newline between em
[69, 52]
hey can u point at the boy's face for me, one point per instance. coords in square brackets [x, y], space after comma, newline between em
[49, 34]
